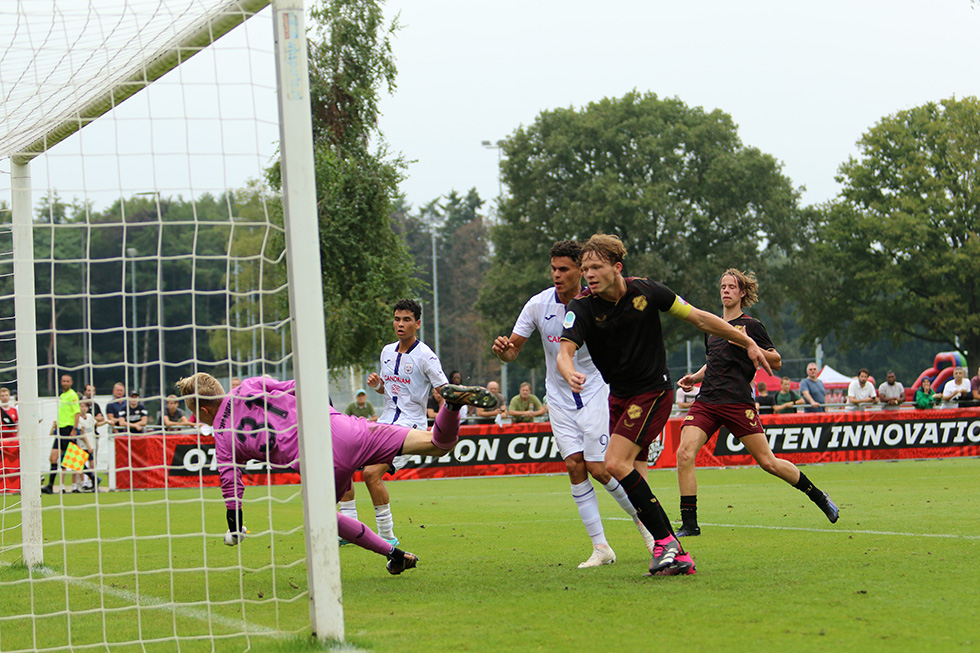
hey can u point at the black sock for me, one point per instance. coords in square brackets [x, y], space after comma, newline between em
[689, 509]
[648, 509]
[807, 487]
[54, 472]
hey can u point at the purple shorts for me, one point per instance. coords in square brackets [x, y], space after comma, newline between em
[358, 442]
[740, 419]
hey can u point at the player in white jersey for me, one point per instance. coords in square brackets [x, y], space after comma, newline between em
[409, 370]
[580, 422]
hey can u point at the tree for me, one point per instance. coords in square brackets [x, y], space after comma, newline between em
[674, 182]
[365, 266]
[896, 255]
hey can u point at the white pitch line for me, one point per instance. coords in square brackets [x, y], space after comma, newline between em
[951, 536]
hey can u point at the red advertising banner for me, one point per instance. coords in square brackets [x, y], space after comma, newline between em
[188, 460]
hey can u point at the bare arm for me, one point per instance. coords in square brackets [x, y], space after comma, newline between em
[714, 325]
[507, 349]
[566, 366]
[374, 382]
[688, 381]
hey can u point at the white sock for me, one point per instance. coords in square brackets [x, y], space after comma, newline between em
[348, 508]
[619, 494]
[386, 524]
[588, 510]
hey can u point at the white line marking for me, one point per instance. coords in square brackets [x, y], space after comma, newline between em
[952, 536]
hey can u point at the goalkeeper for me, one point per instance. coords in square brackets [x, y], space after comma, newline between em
[257, 421]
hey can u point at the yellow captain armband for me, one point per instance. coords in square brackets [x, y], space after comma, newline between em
[680, 308]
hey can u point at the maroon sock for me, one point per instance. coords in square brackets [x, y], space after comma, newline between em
[445, 431]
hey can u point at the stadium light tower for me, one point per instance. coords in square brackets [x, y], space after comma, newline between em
[499, 146]
[131, 252]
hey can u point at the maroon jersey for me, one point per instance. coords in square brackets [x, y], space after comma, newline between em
[625, 339]
[729, 372]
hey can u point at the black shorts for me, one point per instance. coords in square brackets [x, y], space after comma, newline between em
[63, 439]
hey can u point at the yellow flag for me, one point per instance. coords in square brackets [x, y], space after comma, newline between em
[75, 458]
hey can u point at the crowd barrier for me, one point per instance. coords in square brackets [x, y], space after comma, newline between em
[188, 459]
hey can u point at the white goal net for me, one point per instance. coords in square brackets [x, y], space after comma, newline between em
[135, 140]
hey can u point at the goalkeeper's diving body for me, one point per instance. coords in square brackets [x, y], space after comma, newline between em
[258, 421]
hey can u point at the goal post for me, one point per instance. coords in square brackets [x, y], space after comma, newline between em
[144, 249]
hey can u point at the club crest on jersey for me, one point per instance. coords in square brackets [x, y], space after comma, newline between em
[634, 411]
[409, 367]
[569, 320]
[640, 303]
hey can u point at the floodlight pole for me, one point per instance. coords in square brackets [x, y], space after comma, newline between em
[498, 145]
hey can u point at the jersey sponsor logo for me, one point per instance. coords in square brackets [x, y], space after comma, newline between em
[554, 339]
[409, 367]
[640, 303]
[398, 379]
[569, 320]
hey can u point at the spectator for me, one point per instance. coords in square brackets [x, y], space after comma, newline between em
[763, 400]
[115, 410]
[891, 392]
[361, 407]
[786, 399]
[861, 393]
[490, 416]
[87, 437]
[172, 416]
[813, 390]
[925, 397]
[524, 407]
[88, 394]
[957, 389]
[975, 389]
[235, 382]
[8, 415]
[136, 416]
[456, 378]
[683, 399]
[433, 405]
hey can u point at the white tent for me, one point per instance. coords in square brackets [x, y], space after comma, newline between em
[831, 376]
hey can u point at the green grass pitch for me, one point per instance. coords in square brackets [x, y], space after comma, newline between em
[898, 572]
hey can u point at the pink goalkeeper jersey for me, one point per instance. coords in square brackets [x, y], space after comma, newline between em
[257, 421]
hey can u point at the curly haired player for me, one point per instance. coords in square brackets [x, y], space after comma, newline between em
[258, 421]
[726, 400]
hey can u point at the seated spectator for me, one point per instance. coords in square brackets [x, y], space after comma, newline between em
[861, 394]
[8, 415]
[361, 407]
[524, 407]
[456, 378]
[484, 416]
[975, 389]
[924, 396]
[683, 400]
[763, 400]
[786, 399]
[957, 389]
[115, 410]
[172, 416]
[813, 390]
[136, 416]
[434, 404]
[891, 392]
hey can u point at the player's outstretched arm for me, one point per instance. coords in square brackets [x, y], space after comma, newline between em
[374, 382]
[507, 349]
[688, 381]
[714, 325]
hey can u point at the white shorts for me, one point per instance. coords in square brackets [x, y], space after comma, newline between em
[585, 430]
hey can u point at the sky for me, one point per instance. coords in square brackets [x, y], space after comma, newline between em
[803, 82]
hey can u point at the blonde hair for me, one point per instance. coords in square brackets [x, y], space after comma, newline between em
[200, 388]
[607, 247]
[747, 282]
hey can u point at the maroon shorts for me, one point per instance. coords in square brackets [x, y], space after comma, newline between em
[740, 419]
[640, 418]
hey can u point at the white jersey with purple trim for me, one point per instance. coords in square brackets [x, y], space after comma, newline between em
[545, 312]
[408, 381]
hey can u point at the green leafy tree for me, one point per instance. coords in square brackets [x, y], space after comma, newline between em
[365, 265]
[897, 254]
[674, 182]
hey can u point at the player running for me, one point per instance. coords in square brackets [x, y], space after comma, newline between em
[618, 318]
[726, 400]
[258, 421]
[579, 421]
